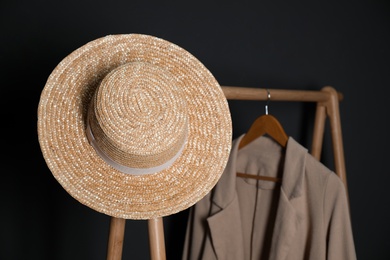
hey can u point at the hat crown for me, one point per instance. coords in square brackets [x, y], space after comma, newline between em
[138, 117]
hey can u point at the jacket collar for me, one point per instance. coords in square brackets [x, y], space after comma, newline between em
[293, 171]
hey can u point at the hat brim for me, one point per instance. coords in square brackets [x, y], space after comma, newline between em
[84, 175]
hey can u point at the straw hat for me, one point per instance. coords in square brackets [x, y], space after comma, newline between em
[134, 126]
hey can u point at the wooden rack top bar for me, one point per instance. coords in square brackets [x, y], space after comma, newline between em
[246, 93]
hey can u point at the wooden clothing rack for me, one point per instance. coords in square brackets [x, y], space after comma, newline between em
[327, 100]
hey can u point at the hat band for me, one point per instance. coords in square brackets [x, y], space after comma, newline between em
[126, 169]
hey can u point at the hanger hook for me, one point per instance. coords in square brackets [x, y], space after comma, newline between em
[268, 99]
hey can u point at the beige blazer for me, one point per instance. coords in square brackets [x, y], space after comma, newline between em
[304, 217]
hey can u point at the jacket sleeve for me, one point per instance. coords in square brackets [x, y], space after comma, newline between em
[340, 244]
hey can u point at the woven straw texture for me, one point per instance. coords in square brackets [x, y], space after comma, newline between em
[169, 97]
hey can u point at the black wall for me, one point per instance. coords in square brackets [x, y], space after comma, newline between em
[264, 44]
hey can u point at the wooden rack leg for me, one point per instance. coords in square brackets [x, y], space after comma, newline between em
[115, 240]
[335, 126]
[156, 239]
[318, 133]
[116, 237]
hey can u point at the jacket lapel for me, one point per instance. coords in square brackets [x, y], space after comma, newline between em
[225, 221]
[226, 233]
[288, 213]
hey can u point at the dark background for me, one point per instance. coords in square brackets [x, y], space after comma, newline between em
[264, 44]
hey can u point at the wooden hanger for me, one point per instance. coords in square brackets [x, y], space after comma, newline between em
[265, 124]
